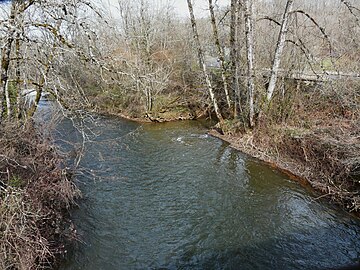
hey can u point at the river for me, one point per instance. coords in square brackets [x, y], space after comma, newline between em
[169, 196]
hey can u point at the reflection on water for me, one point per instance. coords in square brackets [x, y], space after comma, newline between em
[168, 196]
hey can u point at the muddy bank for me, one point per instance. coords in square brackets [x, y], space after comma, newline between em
[36, 192]
[166, 109]
[327, 164]
[156, 117]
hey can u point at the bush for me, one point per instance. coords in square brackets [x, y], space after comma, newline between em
[35, 194]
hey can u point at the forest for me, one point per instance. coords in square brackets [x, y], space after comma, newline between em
[279, 79]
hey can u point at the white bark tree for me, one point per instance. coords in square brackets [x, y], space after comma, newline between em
[202, 63]
[47, 28]
[13, 26]
[250, 51]
[234, 53]
[279, 50]
[220, 53]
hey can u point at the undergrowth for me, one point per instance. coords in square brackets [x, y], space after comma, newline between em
[317, 137]
[36, 192]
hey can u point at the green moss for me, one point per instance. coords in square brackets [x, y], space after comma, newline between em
[13, 93]
[327, 64]
[294, 132]
[15, 182]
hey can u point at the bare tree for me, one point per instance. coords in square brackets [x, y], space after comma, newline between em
[16, 7]
[202, 62]
[220, 53]
[144, 47]
[32, 66]
[249, 26]
[234, 53]
[279, 49]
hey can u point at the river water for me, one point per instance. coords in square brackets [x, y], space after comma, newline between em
[168, 196]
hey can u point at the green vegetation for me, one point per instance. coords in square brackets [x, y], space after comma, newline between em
[15, 182]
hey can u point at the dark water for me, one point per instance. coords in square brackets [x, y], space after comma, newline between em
[168, 196]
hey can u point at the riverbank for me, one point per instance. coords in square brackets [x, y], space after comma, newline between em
[168, 196]
[36, 192]
[166, 108]
[326, 159]
[323, 156]
[157, 117]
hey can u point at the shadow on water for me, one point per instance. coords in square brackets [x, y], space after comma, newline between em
[282, 253]
[168, 196]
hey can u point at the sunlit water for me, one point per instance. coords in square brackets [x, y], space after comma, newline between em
[168, 196]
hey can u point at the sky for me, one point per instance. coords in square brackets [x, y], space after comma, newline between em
[180, 6]
[200, 6]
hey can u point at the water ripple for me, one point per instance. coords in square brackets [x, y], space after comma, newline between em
[172, 197]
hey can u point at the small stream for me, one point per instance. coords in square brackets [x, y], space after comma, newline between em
[168, 196]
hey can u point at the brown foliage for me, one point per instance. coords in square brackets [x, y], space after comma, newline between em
[332, 157]
[35, 193]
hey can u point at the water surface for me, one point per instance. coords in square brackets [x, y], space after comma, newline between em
[168, 196]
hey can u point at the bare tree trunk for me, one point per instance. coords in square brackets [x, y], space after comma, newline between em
[249, 31]
[5, 62]
[220, 52]
[149, 100]
[7, 108]
[17, 74]
[234, 17]
[202, 62]
[43, 80]
[40, 85]
[279, 50]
